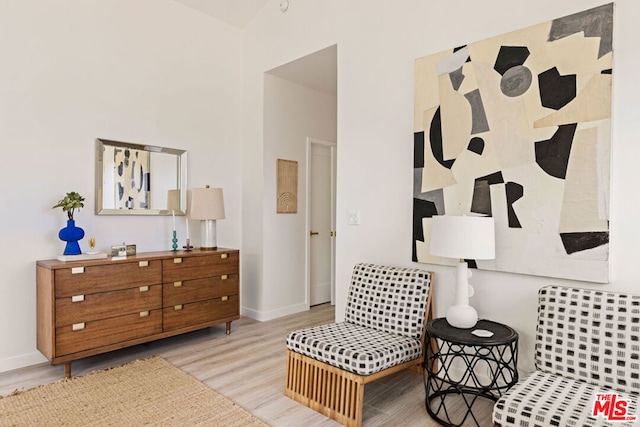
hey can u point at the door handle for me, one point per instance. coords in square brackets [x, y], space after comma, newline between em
[313, 233]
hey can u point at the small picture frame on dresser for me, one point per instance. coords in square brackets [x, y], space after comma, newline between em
[119, 252]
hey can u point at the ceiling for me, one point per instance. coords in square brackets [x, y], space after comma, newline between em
[235, 12]
[317, 70]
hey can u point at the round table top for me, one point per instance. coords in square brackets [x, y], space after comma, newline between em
[502, 334]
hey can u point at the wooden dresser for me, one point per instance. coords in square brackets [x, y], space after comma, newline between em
[90, 307]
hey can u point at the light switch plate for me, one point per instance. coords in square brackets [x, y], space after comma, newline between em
[353, 217]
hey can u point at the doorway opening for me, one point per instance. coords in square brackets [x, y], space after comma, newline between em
[300, 105]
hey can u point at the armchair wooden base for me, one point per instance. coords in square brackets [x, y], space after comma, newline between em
[333, 392]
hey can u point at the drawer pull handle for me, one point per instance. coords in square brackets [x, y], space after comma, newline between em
[224, 298]
[177, 307]
[144, 313]
[77, 270]
[224, 277]
[144, 288]
[224, 256]
[77, 326]
[143, 264]
[177, 260]
[177, 284]
[77, 298]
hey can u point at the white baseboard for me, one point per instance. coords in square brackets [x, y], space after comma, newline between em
[16, 362]
[263, 316]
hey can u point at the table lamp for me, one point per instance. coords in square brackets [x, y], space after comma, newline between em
[462, 237]
[207, 205]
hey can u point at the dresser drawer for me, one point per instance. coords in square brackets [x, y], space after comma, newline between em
[107, 277]
[200, 289]
[197, 267]
[86, 308]
[186, 315]
[95, 334]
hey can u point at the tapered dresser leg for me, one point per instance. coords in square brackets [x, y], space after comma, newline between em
[67, 370]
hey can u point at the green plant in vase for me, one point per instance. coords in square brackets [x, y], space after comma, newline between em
[70, 203]
[71, 234]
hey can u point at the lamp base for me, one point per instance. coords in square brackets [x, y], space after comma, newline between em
[209, 238]
[462, 316]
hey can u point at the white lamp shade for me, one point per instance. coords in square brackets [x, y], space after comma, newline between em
[463, 237]
[206, 203]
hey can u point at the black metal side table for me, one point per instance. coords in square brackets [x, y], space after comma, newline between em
[468, 363]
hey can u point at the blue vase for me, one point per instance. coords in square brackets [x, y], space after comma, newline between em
[71, 234]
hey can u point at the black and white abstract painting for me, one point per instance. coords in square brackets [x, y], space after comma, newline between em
[518, 127]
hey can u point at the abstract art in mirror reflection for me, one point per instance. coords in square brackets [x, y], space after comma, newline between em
[132, 178]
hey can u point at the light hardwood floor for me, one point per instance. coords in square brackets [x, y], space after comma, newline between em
[248, 367]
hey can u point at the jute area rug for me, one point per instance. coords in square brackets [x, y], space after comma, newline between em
[150, 392]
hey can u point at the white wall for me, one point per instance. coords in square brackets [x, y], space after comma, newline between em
[145, 71]
[377, 45]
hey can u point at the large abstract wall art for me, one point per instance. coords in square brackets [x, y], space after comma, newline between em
[517, 127]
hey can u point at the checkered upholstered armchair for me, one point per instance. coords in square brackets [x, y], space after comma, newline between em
[587, 344]
[383, 333]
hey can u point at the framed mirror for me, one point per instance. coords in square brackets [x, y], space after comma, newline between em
[136, 179]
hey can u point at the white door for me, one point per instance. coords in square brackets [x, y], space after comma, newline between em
[321, 221]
